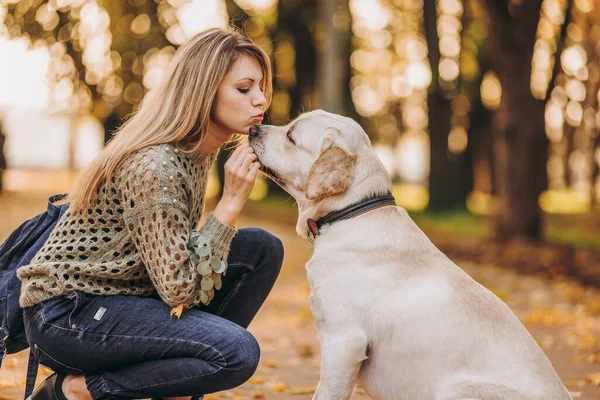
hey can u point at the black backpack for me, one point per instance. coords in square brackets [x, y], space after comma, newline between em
[18, 250]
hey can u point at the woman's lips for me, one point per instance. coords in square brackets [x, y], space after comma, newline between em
[258, 117]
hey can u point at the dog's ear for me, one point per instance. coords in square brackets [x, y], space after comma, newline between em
[333, 171]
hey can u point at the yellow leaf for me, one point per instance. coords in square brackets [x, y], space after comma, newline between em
[177, 311]
[279, 386]
[256, 380]
[594, 379]
[575, 384]
[7, 384]
[301, 390]
[271, 363]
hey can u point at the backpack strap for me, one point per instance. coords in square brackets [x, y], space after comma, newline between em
[32, 369]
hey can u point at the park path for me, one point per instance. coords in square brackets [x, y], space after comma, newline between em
[563, 317]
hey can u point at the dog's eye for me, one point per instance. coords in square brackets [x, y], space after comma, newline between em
[289, 136]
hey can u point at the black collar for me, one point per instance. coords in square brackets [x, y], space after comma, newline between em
[353, 210]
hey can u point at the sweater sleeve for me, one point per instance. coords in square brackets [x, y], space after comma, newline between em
[157, 216]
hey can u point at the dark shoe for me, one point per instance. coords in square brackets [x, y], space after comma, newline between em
[50, 389]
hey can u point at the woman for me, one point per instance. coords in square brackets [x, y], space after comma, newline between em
[98, 294]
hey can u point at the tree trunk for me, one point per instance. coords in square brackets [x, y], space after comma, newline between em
[520, 152]
[297, 20]
[520, 144]
[333, 57]
[450, 176]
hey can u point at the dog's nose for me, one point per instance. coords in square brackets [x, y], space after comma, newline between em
[255, 130]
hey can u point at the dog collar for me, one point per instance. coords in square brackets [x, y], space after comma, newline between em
[353, 210]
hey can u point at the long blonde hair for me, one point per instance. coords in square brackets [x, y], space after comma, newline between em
[179, 109]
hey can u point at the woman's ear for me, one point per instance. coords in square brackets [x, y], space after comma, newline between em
[333, 171]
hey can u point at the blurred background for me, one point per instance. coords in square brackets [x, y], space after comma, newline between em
[485, 113]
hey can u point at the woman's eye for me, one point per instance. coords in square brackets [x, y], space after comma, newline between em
[244, 90]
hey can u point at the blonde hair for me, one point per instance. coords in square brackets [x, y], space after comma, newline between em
[179, 109]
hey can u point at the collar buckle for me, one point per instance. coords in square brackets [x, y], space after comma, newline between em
[313, 230]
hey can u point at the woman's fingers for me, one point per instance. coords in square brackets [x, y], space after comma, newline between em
[233, 159]
[239, 155]
[254, 171]
[250, 157]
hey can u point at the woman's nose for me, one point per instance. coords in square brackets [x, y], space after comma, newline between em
[260, 100]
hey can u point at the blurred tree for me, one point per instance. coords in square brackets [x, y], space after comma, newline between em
[334, 55]
[520, 143]
[296, 63]
[104, 54]
[450, 174]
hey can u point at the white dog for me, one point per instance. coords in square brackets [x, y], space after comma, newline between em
[391, 309]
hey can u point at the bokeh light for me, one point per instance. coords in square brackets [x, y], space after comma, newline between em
[491, 91]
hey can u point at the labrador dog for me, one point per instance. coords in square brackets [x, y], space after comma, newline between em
[391, 309]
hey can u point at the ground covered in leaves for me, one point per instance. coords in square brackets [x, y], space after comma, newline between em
[563, 316]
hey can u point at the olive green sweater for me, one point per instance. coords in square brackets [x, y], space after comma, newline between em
[139, 238]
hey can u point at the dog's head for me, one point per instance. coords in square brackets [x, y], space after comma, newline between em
[325, 161]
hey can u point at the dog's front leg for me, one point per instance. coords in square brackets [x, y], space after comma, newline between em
[341, 357]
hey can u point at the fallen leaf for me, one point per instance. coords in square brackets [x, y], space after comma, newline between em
[575, 384]
[301, 390]
[7, 384]
[306, 350]
[177, 311]
[594, 379]
[271, 363]
[259, 395]
[256, 380]
[279, 386]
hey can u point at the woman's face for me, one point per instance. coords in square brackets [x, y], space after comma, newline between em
[240, 101]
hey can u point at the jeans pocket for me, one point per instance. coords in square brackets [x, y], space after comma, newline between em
[49, 361]
[60, 311]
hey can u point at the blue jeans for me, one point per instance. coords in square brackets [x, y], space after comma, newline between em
[136, 350]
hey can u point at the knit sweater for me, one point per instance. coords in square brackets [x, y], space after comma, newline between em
[139, 238]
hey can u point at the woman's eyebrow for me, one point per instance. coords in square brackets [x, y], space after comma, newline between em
[246, 79]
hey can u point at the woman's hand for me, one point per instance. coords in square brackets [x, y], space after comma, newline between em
[240, 175]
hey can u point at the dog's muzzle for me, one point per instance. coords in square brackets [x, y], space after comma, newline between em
[254, 131]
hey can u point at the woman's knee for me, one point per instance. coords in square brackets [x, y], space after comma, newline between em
[267, 245]
[274, 251]
[245, 361]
